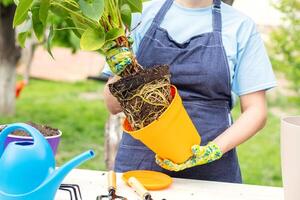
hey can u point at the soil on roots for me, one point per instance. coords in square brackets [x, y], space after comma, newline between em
[144, 95]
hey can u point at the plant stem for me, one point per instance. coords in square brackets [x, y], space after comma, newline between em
[75, 13]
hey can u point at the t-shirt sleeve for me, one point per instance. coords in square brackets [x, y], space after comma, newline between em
[134, 25]
[106, 70]
[253, 71]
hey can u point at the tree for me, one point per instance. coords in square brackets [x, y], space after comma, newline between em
[285, 51]
[10, 52]
[9, 55]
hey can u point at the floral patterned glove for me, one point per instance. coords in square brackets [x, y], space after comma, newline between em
[201, 155]
[117, 57]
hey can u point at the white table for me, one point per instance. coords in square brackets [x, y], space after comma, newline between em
[93, 183]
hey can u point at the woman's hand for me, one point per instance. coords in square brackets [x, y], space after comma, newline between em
[201, 155]
[111, 102]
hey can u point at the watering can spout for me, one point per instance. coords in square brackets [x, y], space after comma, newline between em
[57, 177]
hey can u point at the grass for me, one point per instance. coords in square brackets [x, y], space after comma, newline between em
[63, 105]
[82, 121]
[260, 156]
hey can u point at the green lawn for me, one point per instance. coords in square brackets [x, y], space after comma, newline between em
[73, 109]
[260, 156]
[67, 107]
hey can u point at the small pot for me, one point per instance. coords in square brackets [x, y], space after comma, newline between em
[53, 140]
[172, 135]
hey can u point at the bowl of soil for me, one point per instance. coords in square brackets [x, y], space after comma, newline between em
[52, 135]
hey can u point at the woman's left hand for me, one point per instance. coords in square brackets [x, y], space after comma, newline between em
[201, 155]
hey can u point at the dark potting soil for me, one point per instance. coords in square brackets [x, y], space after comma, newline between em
[124, 87]
[44, 129]
[144, 95]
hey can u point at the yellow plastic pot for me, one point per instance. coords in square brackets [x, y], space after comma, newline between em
[172, 135]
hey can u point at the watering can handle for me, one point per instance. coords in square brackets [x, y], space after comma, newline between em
[36, 135]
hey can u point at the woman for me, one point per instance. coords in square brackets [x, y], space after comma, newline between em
[215, 54]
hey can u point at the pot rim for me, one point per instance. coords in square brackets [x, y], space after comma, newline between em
[287, 120]
[29, 137]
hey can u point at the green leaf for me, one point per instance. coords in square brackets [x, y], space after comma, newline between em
[58, 11]
[92, 39]
[22, 12]
[6, 2]
[126, 14]
[16, 2]
[80, 24]
[49, 40]
[38, 26]
[43, 12]
[70, 23]
[24, 31]
[135, 5]
[114, 34]
[22, 38]
[93, 9]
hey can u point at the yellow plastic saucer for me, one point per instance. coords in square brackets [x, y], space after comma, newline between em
[151, 180]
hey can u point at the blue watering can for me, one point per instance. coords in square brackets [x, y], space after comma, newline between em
[27, 169]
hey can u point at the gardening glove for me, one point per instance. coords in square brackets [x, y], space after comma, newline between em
[117, 57]
[201, 155]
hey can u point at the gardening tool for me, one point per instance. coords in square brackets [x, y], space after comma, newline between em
[28, 168]
[151, 180]
[112, 186]
[172, 135]
[139, 188]
[73, 190]
[290, 159]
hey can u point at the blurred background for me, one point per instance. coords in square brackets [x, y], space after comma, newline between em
[66, 92]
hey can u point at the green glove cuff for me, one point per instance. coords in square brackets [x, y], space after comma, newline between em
[201, 155]
[118, 59]
[209, 153]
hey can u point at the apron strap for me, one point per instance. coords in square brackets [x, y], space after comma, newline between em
[217, 16]
[159, 16]
[162, 12]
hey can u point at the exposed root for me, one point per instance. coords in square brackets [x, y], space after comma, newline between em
[144, 95]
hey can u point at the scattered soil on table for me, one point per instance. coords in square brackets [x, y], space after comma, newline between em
[144, 95]
[44, 129]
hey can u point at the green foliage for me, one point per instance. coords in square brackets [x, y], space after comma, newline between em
[43, 11]
[92, 39]
[95, 22]
[92, 10]
[135, 6]
[49, 40]
[24, 33]
[114, 34]
[21, 13]
[6, 2]
[285, 45]
[38, 26]
[126, 14]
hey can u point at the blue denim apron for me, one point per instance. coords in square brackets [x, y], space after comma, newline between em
[200, 71]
